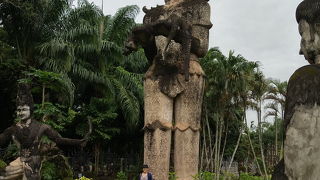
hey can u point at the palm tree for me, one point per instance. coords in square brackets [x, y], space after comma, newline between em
[228, 80]
[29, 23]
[276, 93]
[258, 92]
[92, 50]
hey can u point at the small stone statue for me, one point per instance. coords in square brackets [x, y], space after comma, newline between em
[302, 111]
[174, 37]
[27, 133]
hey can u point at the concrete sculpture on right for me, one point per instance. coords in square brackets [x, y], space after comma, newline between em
[302, 111]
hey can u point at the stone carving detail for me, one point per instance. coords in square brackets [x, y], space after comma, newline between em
[302, 117]
[27, 133]
[308, 17]
[174, 37]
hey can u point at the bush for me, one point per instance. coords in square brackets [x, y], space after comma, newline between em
[2, 164]
[246, 176]
[204, 176]
[56, 168]
[172, 176]
[83, 178]
[121, 176]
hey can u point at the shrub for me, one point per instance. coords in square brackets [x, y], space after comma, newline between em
[121, 176]
[2, 164]
[83, 178]
[172, 176]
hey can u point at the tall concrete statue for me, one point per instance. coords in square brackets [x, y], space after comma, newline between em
[302, 111]
[174, 37]
[27, 133]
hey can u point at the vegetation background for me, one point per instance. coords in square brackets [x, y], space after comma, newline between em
[73, 57]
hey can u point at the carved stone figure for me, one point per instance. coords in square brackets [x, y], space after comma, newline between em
[174, 37]
[27, 133]
[302, 111]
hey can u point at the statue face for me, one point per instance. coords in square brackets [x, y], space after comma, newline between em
[23, 112]
[310, 42]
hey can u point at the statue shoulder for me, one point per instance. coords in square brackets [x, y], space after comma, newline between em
[303, 89]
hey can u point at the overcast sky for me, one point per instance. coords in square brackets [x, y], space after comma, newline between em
[260, 30]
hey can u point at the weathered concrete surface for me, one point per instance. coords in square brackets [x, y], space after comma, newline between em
[13, 171]
[302, 144]
[160, 110]
[172, 101]
[301, 123]
[307, 15]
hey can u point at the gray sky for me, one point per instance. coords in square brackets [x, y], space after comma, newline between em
[259, 30]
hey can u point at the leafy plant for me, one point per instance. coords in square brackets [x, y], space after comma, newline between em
[55, 82]
[2, 164]
[84, 178]
[204, 176]
[246, 176]
[56, 167]
[172, 176]
[11, 153]
[55, 115]
[121, 176]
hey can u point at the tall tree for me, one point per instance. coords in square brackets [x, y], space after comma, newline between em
[258, 92]
[228, 82]
[92, 50]
[276, 95]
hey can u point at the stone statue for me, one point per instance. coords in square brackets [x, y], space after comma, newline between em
[302, 110]
[174, 37]
[27, 133]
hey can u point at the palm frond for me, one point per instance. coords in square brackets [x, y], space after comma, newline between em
[129, 104]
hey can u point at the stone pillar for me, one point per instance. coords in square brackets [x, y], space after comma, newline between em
[188, 107]
[158, 125]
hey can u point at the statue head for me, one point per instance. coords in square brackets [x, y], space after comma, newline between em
[308, 17]
[24, 102]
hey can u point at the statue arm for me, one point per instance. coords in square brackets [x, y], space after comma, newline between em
[59, 140]
[6, 135]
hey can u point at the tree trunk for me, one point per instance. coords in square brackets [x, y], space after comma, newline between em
[224, 146]
[276, 135]
[260, 140]
[96, 157]
[235, 150]
[252, 149]
[218, 149]
[43, 94]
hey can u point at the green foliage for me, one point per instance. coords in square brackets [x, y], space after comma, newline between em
[2, 164]
[83, 178]
[101, 112]
[56, 168]
[121, 176]
[11, 153]
[172, 176]
[55, 115]
[204, 176]
[246, 176]
[92, 50]
[57, 83]
[48, 171]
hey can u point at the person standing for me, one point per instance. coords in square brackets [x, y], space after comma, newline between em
[145, 175]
